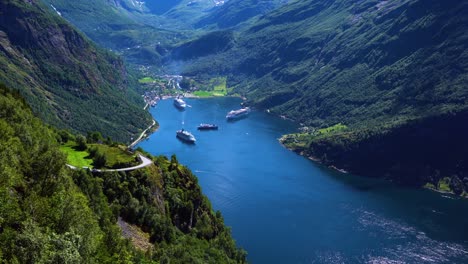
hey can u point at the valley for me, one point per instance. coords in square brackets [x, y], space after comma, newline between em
[284, 208]
[371, 94]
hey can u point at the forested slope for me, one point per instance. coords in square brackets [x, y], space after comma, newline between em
[324, 62]
[234, 12]
[387, 71]
[51, 214]
[67, 80]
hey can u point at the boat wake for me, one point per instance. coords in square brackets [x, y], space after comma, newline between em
[207, 172]
[413, 246]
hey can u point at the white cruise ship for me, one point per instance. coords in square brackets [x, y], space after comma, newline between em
[236, 114]
[185, 135]
[179, 103]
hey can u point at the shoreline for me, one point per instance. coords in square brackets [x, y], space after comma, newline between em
[192, 96]
[463, 195]
[333, 167]
[314, 159]
[144, 135]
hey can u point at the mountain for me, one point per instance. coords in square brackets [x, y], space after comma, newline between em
[118, 25]
[52, 214]
[213, 42]
[235, 12]
[357, 61]
[145, 31]
[68, 81]
[373, 69]
[141, 31]
[377, 67]
[161, 7]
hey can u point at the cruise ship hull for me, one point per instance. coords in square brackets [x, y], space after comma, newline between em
[185, 136]
[207, 127]
[238, 114]
[179, 103]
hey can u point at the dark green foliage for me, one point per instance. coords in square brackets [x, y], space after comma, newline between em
[210, 43]
[235, 12]
[99, 159]
[359, 63]
[44, 217]
[376, 66]
[94, 137]
[123, 26]
[51, 214]
[412, 153]
[81, 143]
[457, 185]
[65, 136]
[68, 81]
[166, 201]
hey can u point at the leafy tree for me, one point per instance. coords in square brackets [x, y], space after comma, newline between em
[94, 137]
[100, 159]
[81, 142]
[50, 214]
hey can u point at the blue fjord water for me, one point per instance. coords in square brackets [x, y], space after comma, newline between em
[284, 208]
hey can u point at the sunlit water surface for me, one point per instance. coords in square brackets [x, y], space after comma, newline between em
[284, 208]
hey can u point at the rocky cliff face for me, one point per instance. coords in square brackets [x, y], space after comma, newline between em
[68, 81]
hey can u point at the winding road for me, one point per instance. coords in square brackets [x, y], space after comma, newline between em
[144, 160]
[144, 163]
[141, 135]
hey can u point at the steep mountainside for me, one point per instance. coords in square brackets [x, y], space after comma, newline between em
[68, 81]
[237, 11]
[378, 67]
[51, 214]
[352, 62]
[144, 31]
[119, 26]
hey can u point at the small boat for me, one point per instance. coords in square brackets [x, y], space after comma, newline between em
[179, 103]
[207, 127]
[185, 135]
[237, 114]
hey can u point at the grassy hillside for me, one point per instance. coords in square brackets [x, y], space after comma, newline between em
[374, 66]
[67, 80]
[51, 214]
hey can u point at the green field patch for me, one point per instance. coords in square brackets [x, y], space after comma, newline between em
[300, 141]
[444, 185]
[146, 80]
[219, 83]
[430, 186]
[214, 87]
[329, 130]
[115, 155]
[295, 141]
[77, 158]
[203, 93]
[219, 86]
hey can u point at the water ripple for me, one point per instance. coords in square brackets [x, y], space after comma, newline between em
[408, 245]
